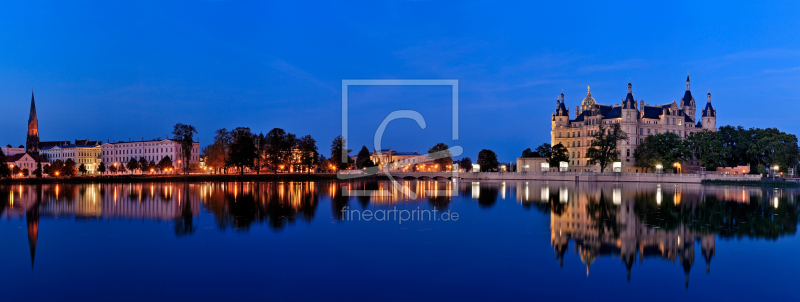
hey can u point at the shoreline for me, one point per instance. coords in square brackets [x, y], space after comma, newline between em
[175, 178]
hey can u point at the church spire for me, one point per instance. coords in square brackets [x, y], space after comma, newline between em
[32, 143]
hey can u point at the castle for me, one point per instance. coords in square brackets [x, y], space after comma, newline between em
[636, 121]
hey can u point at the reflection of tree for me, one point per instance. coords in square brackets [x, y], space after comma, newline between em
[666, 216]
[278, 204]
[727, 218]
[439, 202]
[184, 224]
[5, 198]
[603, 213]
[367, 185]
[488, 196]
[338, 202]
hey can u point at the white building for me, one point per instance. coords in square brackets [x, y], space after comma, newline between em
[87, 155]
[398, 160]
[24, 161]
[8, 150]
[151, 150]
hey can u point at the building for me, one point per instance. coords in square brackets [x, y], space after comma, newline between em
[637, 120]
[24, 161]
[151, 150]
[32, 142]
[533, 164]
[8, 150]
[397, 160]
[82, 154]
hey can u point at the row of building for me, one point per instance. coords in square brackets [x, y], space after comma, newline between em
[91, 153]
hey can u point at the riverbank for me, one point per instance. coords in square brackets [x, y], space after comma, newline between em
[176, 178]
[752, 183]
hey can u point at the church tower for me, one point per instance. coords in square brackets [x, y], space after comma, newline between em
[32, 143]
[687, 101]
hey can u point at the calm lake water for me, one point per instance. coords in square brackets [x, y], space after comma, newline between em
[310, 241]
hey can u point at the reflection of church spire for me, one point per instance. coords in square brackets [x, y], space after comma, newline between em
[32, 217]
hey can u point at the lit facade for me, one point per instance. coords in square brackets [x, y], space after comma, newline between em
[151, 150]
[636, 120]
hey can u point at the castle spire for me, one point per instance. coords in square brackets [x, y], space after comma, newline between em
[709, 95]
[688, 83]
[630, 86]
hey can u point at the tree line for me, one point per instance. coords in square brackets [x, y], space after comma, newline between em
[727, 147]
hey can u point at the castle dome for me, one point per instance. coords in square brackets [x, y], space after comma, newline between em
[588, 102]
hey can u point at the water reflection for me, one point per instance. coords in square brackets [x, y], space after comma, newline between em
[632, 222]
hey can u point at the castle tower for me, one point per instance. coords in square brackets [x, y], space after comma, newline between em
[687, 101]
[630, 121]
[32, 143]
[560, 117]
[709, 118]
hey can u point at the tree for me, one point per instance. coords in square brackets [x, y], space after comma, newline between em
[665, 149]
[165, 163]
[527, 153]
[69, 169]
[544, 150]
[121, 168]
[217, 153]
[26, 172]
[309, 157]
[38, 171]
[56, 167]
[184, 134]
[279, 148]
[112, 169]
[101, 168]
[466, 164]
[152, 165]
[261, 147]
[46, 169]
[321, 160]
[132, 165]
[82, 169]
[558, 154]
[774, 148]
[603, 149]
[16, 171]
[362, 158]
[338, 151]
[5, 172]
[442, 152]
[707, 148]
[143, 165]
[243, 150]
[487, 160]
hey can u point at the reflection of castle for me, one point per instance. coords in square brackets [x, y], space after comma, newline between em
[604, 219]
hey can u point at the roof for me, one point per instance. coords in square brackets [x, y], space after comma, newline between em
[69, 146]
[145, 141]
[561, 110]
[616, 112]
[42, 145]
[653, 112]
[709, 111]
[17, 157]
[687, 97]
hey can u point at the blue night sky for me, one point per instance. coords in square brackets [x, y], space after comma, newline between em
[109, 70]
